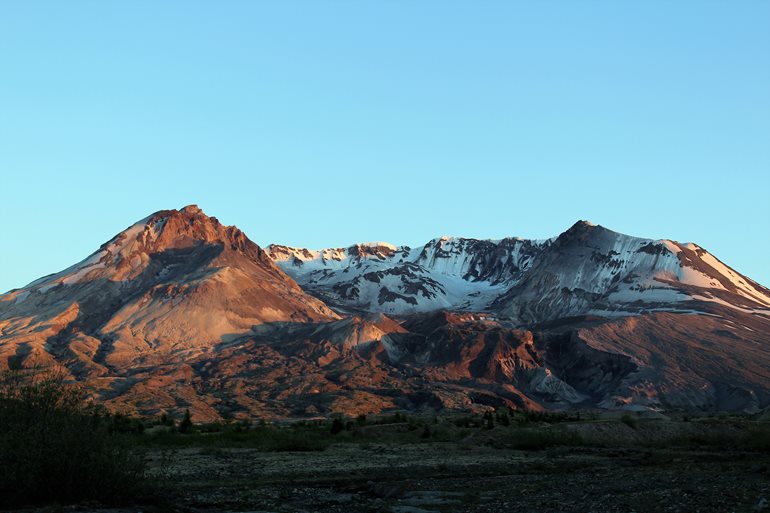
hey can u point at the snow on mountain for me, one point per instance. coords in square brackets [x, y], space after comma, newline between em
[445, 273]
[590, 269]
[587, 269]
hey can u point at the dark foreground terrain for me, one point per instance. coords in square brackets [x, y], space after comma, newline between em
[492, 464]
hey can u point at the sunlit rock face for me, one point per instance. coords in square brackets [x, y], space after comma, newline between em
[179, 311]
[175, 281]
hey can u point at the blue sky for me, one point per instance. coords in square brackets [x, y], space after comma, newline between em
[325, 123]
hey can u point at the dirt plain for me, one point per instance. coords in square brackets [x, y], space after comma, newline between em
[647, 466]
[441, 477]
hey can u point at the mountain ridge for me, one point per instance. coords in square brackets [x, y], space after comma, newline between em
[343, 277]
[179, 311]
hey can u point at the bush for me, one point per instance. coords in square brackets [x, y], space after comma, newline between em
[54, 447]
[337, 426]
[119, 423]
[523, 417]
[165, 420]
[538, 439]
[629, 421]
[260, 438]
[758, 438]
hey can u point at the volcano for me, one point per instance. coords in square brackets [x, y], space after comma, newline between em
[179, 311]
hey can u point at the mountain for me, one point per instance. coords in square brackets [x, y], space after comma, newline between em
[173, 283]
[179, 311]
[585, 270]
[445, 273]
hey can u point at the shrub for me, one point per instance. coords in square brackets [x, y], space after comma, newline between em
[467, 422]
[337, 426]
[54, 447]
[537, 439]
[758, 438]
[523, 417]
[260, 438]
[211, 427]
[119, 423]
[629, 421]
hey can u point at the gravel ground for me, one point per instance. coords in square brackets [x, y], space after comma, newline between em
[454, 477]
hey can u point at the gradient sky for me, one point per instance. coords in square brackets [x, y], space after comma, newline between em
[325, 123]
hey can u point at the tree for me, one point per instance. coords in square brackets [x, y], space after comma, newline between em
[186, 425]
[489, 420]
[165, 420]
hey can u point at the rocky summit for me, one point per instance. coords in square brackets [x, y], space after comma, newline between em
[179, 311]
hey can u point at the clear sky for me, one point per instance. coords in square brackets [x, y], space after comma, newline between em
[324, 123]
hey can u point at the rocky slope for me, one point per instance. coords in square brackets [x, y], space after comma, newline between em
[592, 270]
[179, 311]
[172, 284]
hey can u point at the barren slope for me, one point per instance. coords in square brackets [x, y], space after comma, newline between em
[172, 284]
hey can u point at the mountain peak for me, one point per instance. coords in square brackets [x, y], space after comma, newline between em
[189, 226]
[373, 249]
[584, 224]
[587, 229]
[177, 278]
[191, 209]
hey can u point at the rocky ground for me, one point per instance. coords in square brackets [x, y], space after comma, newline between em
[441, 477]
[474, 474]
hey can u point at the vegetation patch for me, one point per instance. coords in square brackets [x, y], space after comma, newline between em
[55, 447]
